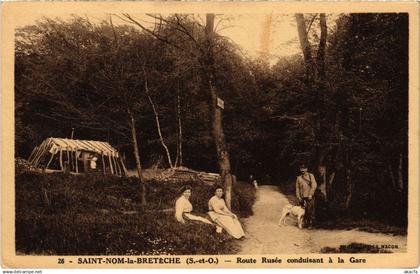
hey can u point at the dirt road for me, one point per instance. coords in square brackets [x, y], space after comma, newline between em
[265, 236]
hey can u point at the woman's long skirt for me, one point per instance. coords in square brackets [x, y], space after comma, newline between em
[230, 224]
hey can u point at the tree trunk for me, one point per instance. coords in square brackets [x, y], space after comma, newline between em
[61, 160]
[331, 179]
[216, 114]
[168, 155]
[320, 153]
[349, 196]
[339, 153]
[349, 181]
[320, 58]
[321, 80]
[400, 173]
[178, 161]
[322, 170]
[391, 174]
[313, 72]
[265, 39]
[350, 189]
[132, 123]
[306, 47]
[220, 142]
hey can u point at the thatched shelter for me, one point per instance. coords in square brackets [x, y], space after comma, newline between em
[77, 156]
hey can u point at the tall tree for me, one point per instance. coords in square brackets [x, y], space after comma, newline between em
[306, 47]
[208, 68]
[317, 84]
[320, 58]
[203, 52]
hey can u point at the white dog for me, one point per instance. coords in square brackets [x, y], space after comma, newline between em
[255, 183]
[297, 211]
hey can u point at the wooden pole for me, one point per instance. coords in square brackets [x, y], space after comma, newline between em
[110, 163]
[32, 154]
[117, 165]
[103, 163]
[117, 168]
[113, 163]
[77, 162]
[38, 148]
[38, 154]
[68, 159]
[73, 159]
[61, 159]
[49, 162]
[123, 166]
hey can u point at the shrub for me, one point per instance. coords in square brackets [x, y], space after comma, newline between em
[243, 199]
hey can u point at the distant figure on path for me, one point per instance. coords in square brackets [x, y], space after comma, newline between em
[222, 216]
[305, 189]
[183, 207]
[253, 181]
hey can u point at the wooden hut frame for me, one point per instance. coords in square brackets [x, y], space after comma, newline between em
[64, 155]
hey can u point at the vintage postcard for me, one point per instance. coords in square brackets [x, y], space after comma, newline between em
[210, 135]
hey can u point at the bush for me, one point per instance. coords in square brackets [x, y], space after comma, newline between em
[244, 199]
[58, 214]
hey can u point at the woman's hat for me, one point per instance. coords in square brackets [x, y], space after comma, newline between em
[185, 187]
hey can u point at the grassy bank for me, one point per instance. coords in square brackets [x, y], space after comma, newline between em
[85, 215]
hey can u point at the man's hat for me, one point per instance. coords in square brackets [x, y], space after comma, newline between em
[303, 167]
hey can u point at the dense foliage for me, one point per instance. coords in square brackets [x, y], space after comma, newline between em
[77, 74]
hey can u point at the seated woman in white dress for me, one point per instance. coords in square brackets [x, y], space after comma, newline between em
[223, 217]
[183, 208]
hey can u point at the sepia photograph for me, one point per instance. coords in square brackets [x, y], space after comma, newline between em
[161, 134]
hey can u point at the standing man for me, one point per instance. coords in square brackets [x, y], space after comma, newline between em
[305, 190]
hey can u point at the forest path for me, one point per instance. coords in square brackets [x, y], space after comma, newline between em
[265, 236]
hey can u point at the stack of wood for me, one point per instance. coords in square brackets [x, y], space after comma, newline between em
[209, 178]
[183, 174]
[23, 166]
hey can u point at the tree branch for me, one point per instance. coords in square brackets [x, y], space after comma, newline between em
[155, 35]
[294, 118]
[157, 120]
[310, 23]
